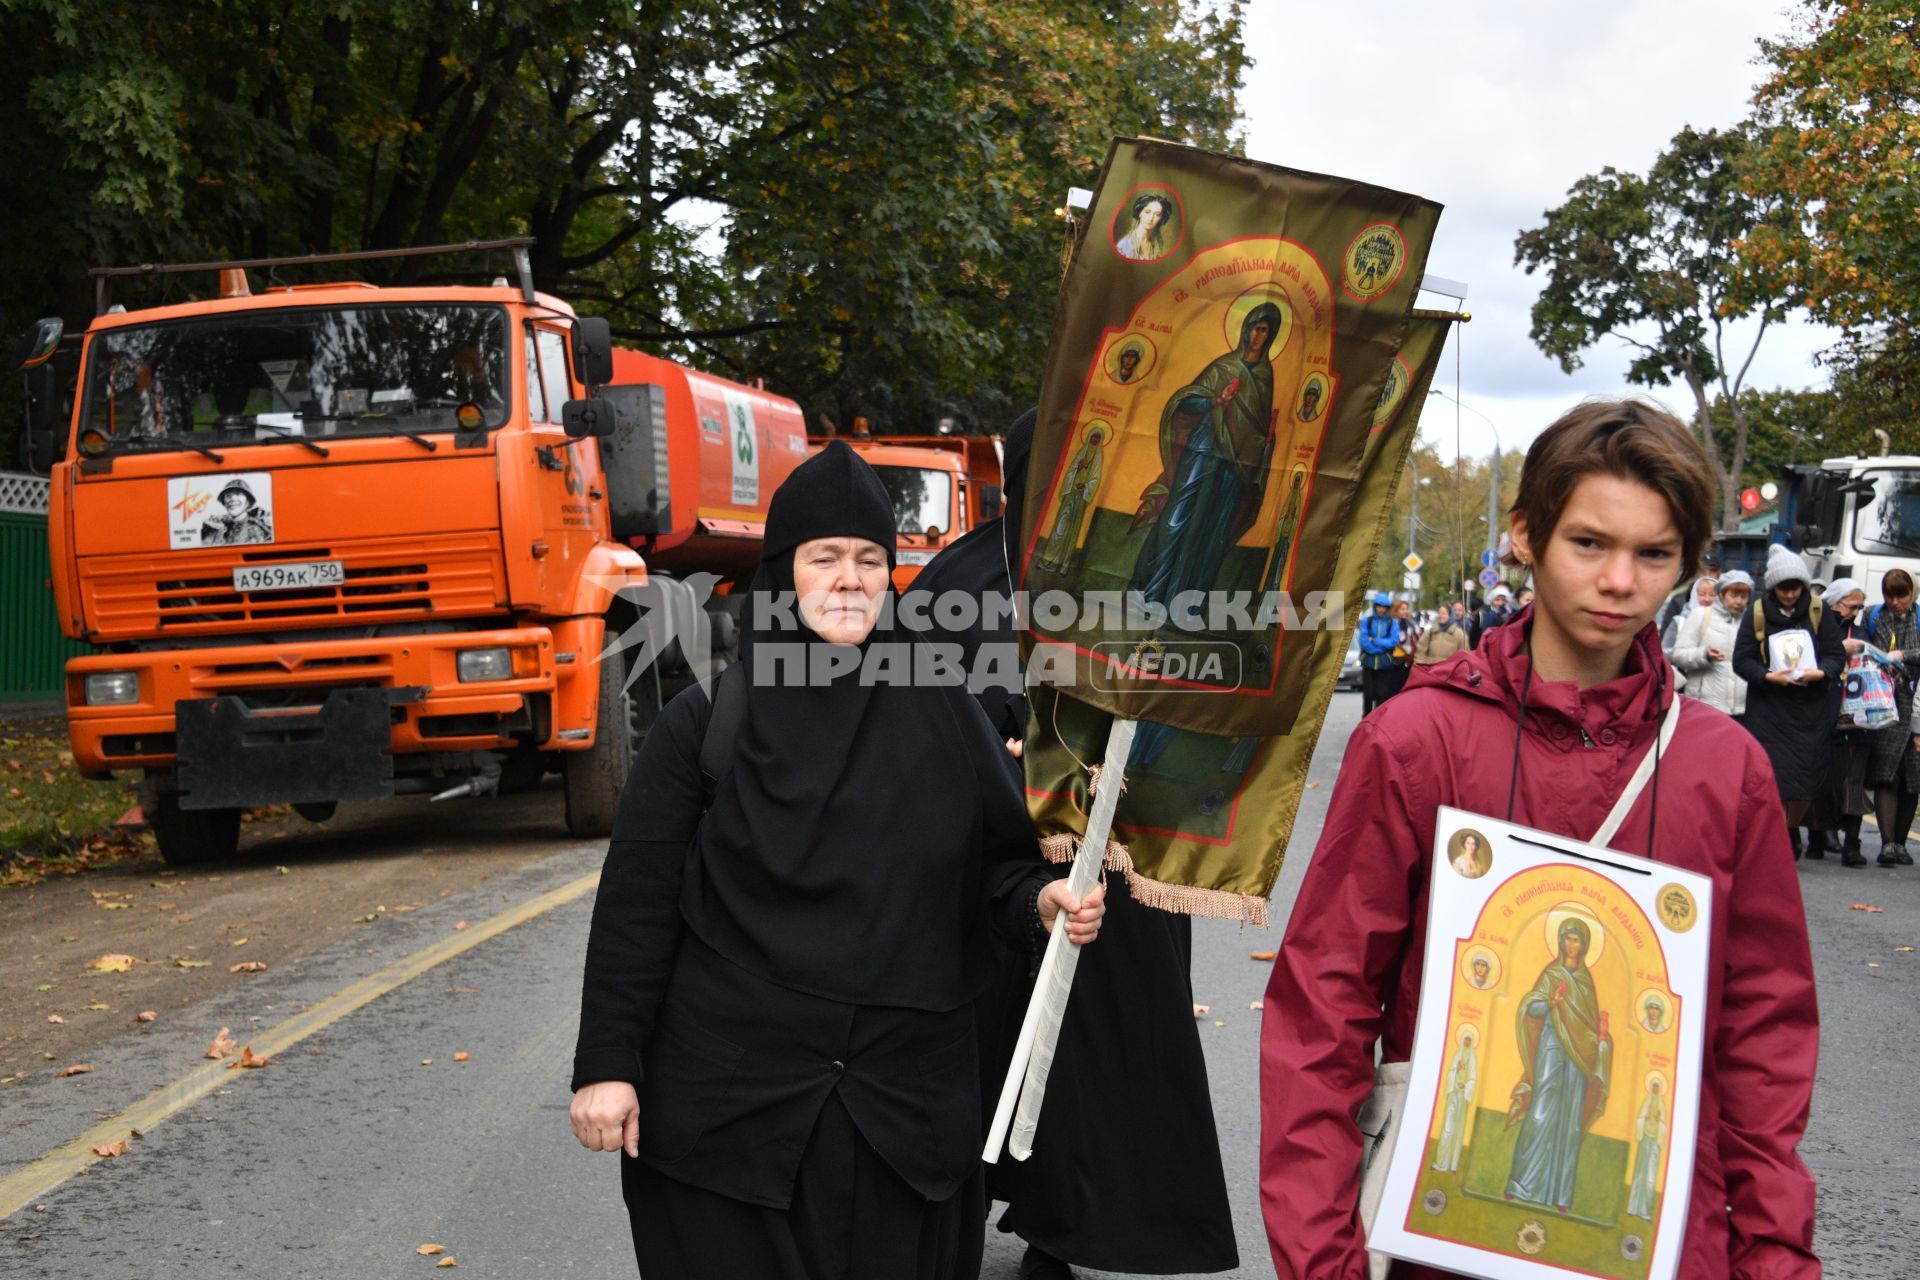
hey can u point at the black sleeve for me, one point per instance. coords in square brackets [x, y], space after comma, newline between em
[636, 913]
[1748, 662]
[1012, 869]
[1829, 647]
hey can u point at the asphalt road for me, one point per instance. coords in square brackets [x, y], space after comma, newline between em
[349, 1151]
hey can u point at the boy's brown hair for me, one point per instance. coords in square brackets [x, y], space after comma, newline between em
[1632, 439]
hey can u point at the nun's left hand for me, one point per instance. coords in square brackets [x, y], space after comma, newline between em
[1083, 915]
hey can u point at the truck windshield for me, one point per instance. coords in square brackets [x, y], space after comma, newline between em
[259, 376]
[1888, 524]
[922, 499]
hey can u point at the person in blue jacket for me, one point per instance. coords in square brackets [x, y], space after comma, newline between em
[1379, 637]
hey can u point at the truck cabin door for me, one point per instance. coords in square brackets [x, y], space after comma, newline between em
[571, 486]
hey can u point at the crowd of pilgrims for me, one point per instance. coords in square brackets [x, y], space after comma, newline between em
[823, 907]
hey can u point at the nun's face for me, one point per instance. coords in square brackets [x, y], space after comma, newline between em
[841, 583]
[1703, 593]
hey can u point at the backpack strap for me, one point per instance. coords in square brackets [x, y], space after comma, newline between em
[1759, 611]
[728, 692]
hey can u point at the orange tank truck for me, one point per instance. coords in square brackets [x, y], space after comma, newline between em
[941, 487]
[340, 542]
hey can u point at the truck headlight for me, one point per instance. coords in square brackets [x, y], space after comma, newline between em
[486, 664]
[111, 688]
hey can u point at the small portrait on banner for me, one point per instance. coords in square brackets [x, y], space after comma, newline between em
[1147, 227]
[1469, 854]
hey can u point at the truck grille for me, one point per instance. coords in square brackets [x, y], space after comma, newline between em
[386, 580]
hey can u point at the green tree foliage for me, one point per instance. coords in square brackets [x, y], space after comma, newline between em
[1840, 117]
[1649, 261]
[851, 198]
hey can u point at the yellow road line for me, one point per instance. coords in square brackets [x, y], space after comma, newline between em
[24, 1185]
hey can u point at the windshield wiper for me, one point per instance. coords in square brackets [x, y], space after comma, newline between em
[384, 421]
[290, 434]
[166, 442]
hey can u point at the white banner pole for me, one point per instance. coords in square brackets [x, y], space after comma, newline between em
[1040, 1029]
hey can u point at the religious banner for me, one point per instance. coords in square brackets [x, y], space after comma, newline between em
[1554, 1091]
[1204, 822]
[1224, 350]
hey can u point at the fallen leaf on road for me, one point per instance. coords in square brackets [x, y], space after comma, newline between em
[145, 1015]
[428, 1250]
[447, 1262]
[1256, 1006]
[45, 986]
[108, 1150]
[249, 966]
[249, 1059]
[1261, 955]
[116, 906]
[459, 924]
[462, 1056]
[426, 1062]
[98, 1007]
[1219, 1024]
[280, 871]
[185, 963]
[77, 1069]
[112, 963]
[1861, 906]
[1873, 964]
[1313, 786]
[238, 942]
[223, 1044]
[1201, 1010]
[54, 1017]
[1903, 950]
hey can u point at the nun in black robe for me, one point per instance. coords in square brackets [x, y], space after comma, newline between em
[1125, 1173]
[786, 978]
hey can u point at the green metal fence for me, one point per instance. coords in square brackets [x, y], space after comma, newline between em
[33, 653]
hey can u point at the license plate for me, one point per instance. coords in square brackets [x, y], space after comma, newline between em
[292, 576]
[913, 557]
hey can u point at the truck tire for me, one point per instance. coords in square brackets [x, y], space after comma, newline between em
[594, 777]
[189, 836]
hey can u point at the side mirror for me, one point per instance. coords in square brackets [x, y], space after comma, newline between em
[989, 502]
[36, 345]
[593, 350]
[44, 441]
[583, 418]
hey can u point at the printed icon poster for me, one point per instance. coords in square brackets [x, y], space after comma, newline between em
[1554, 1095]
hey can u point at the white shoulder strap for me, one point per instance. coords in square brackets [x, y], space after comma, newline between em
[1638, 782]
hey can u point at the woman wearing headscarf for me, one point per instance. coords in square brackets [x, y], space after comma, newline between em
[776, 1023]
[1703, 645]
[1700, 598]
[1893, 768]
[1833, 820]
[1128, 1098]
[1788, 710]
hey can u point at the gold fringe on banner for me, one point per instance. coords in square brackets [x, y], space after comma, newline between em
[1217, 904]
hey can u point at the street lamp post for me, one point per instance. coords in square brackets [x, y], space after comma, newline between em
[1493, 477]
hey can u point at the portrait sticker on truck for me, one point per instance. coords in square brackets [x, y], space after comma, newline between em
[234, 508]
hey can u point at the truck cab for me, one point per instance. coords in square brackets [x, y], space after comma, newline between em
[340, 542]
[1855, 517]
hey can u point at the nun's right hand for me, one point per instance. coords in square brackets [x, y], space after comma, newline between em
[606, 1117]
[1083, 915]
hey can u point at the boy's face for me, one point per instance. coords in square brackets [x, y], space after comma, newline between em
[1606, 568]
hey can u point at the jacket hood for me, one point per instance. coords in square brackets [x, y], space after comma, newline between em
[1497, 671]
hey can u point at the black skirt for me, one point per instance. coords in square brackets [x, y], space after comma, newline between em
[1125, 1173]
[852, 1218]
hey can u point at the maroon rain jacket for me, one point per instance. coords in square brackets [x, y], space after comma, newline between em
[1348, 972]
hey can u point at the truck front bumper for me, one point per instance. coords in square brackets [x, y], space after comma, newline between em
[251, 695]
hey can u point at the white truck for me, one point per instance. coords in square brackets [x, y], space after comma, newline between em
[1855, 517]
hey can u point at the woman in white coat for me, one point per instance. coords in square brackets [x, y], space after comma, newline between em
[1703, 646]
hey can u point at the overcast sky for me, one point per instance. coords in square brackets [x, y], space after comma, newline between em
[1495, 108]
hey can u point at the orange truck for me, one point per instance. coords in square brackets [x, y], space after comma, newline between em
[340, 542]
[941, 486]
